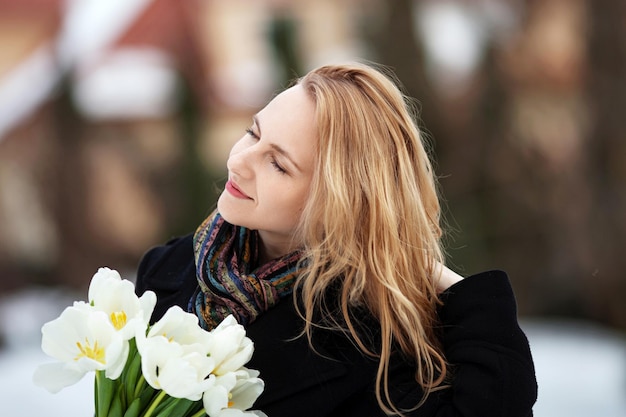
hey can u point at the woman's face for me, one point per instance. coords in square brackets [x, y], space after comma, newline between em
[270, 170]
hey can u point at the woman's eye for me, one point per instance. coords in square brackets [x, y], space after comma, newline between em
[274, 163]
[250, 132]
[277, 167]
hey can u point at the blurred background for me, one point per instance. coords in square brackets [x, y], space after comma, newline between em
[116, 118]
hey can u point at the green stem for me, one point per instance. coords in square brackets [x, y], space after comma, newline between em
[200, 413]
[96, 394]
[139, 385]
[105, 388]
[155, 403]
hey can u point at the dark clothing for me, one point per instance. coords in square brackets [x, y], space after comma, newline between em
[492, 364]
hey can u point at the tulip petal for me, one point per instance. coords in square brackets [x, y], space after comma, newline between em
[56, 376]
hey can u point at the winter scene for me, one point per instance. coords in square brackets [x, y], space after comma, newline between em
[432, 193]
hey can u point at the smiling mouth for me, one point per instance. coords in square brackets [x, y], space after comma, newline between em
[232, 188]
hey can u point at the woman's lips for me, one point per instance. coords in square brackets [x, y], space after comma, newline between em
[232, 188]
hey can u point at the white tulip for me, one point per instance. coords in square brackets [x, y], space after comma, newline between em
[229, 346]
[233, 393]
[247, 389]
[174, 355]
[115, 296]
[82, 339]
[177, 355]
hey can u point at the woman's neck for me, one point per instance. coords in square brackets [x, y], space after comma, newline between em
[271, 248]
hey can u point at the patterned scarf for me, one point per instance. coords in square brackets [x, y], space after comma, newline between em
[225, 257]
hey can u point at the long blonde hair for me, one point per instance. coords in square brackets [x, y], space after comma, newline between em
[371, 227]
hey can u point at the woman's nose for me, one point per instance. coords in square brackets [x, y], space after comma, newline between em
[240, 161]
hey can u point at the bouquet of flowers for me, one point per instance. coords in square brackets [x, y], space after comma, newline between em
[172, 368]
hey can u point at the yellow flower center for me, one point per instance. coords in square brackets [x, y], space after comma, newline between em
[87, 351]
[169, 338]
[118, 318]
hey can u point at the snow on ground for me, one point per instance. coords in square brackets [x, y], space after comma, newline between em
[21, 318]
[581, 367]
[19, 397]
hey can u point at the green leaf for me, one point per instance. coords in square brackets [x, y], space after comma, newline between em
[167, 401]
[177, 407]
[116, 409]
[134, 409]
[197, 407]
[198, 410]
[105, 389]
[155, 403]
[132, 370]
[146, 396]
[95, 393]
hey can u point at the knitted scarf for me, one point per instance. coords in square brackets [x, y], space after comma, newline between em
[229, 281]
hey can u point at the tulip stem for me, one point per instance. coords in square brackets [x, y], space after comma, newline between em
[104, 394]
[155, 403]
[200, 413]
[139, 385]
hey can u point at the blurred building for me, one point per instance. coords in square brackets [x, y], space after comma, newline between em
[116, 117]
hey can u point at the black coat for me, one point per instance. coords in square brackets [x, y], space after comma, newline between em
[493, 368]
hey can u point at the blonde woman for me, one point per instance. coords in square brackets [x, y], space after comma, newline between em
[326, 245]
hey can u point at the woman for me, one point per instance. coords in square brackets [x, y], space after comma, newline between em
[326, 245]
